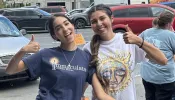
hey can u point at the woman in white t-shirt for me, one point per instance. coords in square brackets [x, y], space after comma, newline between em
[115, 55]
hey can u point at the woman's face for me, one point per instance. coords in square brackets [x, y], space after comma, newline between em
[64, 30]
[101, 23]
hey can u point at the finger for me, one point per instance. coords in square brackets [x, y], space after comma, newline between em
[128, 29]
[32, 39]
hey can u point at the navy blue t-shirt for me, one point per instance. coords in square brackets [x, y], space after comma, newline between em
[58, 81]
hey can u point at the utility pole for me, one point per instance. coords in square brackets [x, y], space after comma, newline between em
[75, 4]
[129, 2]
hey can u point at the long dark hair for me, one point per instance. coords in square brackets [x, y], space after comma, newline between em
[51, 26]
[164, 18]
[95, 42]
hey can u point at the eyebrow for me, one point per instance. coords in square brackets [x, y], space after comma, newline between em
[99, 17]
[60, 25]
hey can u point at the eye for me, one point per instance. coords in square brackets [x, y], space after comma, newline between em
[102, 18]
[120, 72]
[57, 29]
[66, 23]
[107, 74]
[93, 21]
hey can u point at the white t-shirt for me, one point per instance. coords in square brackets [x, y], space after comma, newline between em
[116, 64]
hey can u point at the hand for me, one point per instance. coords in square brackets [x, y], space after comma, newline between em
[130, 38]
[32, 46]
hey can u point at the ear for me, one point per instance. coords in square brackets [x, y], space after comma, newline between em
[112, 19]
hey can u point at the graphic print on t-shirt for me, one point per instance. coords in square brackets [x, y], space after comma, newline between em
[55, 62]
[114, 70]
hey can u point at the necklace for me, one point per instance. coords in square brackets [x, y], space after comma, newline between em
[66, 57]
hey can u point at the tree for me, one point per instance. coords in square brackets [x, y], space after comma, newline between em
[2, 4]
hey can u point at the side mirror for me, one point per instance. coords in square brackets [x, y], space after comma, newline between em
[23, 31]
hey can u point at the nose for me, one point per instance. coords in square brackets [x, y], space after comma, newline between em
[99, 23]
[65, 28]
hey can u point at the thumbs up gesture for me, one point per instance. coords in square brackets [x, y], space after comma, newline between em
[32, 46]
[129, 37]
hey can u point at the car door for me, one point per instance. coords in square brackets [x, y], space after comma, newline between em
[20, 19]
[36, 22]
[140, 19]
[156, 11]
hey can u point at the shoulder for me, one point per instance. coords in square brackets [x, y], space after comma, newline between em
[83, 53]
[87, 47]
[45, 51]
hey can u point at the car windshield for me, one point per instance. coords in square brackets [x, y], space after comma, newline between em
[86, 10]
[8, 29]
[44, 12]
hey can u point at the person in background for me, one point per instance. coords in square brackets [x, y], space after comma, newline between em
[63, 70]
[114, 55]
[158, 80]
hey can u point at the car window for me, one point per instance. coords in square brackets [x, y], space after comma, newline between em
[54, 10]
[32, 13]
[21, 13]
[156, 11]
[75, 11]
[139, 12]
[7, 28]
[173, 5]
[46, 9]
[121, 13]
[43, 12]
[1, 11]
[9, 13]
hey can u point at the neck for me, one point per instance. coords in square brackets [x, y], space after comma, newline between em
[108, 37]
[69, 47]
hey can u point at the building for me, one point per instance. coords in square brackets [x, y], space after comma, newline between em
[69, 4]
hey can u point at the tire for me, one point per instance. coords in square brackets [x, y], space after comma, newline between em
[119, 31]
[80, 23]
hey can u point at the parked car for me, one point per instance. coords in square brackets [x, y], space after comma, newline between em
[31, 19]
[139, 16]
[170, 4]
[55, 9]
[81, 19]
[74, 11]
[11, 40]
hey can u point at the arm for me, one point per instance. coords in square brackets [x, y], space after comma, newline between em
[101, 95]
[84, 89]
[153, 52]
[174, 57]
[16, 64]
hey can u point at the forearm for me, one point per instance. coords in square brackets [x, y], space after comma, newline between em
[14, 62]
[98, 89]
[106, 97]
[153, 52]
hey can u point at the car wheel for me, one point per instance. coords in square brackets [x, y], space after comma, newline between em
[119, 31]
[80, 23]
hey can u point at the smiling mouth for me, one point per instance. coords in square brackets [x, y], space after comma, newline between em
[68, 34]
[102, 28]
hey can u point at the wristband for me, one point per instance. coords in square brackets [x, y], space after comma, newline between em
[141, 43]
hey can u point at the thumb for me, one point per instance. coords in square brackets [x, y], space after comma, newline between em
[33, 38]
[128, 29]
